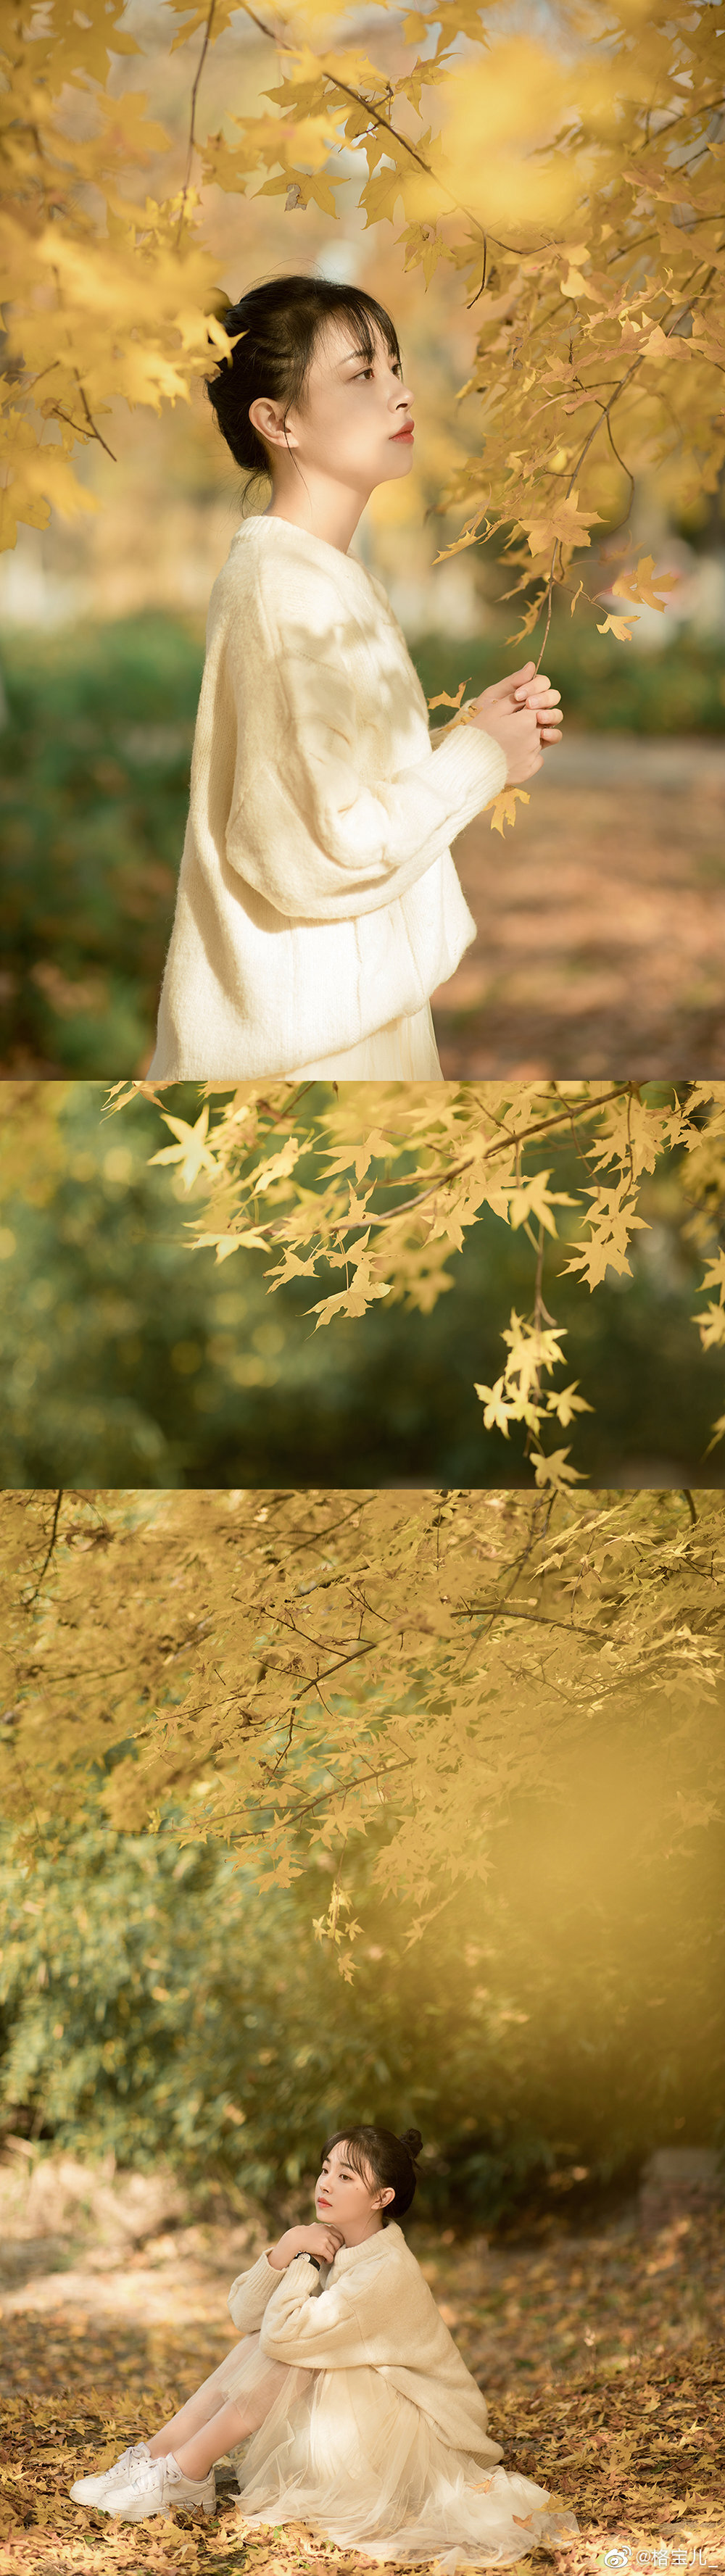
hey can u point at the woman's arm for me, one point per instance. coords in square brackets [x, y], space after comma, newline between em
[248, 2295]
[320, 2329]
[330, 847]
[305, 829]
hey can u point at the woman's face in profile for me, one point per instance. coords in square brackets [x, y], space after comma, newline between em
[353, 410]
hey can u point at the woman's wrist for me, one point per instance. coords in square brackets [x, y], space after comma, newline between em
[285, 2250]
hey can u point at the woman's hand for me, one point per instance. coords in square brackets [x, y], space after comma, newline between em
[516, 729]
[318, 2239]
[527, 687]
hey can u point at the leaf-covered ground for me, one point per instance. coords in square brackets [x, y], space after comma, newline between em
[600, 2344]
[601, 919]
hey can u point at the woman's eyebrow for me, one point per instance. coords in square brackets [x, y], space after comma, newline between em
[369, 362]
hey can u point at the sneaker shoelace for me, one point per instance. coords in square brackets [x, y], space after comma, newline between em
[128, 2462]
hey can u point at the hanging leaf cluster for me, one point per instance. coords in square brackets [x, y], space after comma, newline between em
[406, 1170]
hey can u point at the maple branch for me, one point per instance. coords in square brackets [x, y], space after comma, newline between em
[319, 1536]
[89, 417]
[59, 414]
[27, 1605]
[641, 238]
[338, 1666]
[626, 469]
[474, 298]
[604, 415]
[383, 1772]
[190, 152]
[269, 1771]
[538, 1127]
[274, 1227]
[372, 113]
[536, 1619]
[56, 362]
[549, 596]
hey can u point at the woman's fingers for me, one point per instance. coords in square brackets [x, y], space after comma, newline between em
[538, 694]
[499, 689]
[514, 680]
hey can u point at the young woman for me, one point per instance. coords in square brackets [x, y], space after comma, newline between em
[359, 2415]
[318, 906]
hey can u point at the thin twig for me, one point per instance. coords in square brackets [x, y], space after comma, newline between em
[27, 1605]
[541, 1126]
[189, 157]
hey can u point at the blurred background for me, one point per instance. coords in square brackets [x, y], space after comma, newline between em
[600, 928]
[129, 1357]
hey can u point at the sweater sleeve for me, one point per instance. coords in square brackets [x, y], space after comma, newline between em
[317, 841]
[319, 2329]
[249, 2294]
[442, 733]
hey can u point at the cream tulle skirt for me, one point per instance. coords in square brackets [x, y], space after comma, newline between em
[341, 2451]
[405, 1051]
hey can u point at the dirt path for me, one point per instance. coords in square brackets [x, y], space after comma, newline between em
[601, 939]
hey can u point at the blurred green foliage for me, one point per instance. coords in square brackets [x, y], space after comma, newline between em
[130, 1357]
[678, 688]
[564, 2015]
[94, 787]
[94, 782]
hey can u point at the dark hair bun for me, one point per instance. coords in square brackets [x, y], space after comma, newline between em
[412, 2139]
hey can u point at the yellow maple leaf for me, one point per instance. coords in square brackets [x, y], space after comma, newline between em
[554, 1470]
[504, 809]
[380, 196]
[640, 584]
[191, 1151]
[619, 626]
[565, 523]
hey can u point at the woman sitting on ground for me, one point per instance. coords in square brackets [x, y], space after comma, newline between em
[357, 2411]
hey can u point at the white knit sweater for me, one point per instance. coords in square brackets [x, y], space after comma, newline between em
[317, 899]
[373, 2307]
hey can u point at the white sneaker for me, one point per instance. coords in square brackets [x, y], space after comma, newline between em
[95, 2490]
[155, 2486]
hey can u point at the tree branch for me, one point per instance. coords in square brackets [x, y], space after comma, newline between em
[27, 1605]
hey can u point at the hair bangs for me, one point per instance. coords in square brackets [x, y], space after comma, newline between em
[366, 318]
[354, 2155]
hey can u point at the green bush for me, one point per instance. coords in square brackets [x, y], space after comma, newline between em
[94, 788]
[94, 783]
[148, 1989]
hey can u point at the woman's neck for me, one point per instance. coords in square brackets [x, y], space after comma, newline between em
[361, 2233]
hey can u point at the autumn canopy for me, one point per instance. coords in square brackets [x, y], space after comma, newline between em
[570, 178]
